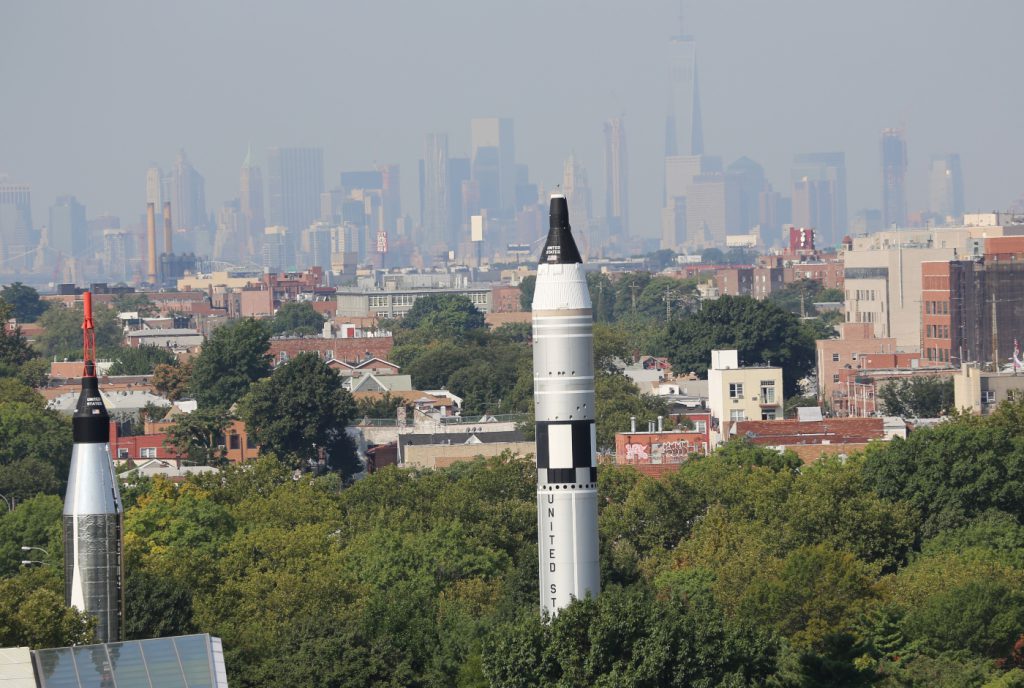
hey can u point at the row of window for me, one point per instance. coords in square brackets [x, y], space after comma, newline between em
[865, 317]
[937, 331]
[936, 354]
[835, 357]
[234, 442]
[738, 415]
[862, 294]
[936, 307]
[767, 391]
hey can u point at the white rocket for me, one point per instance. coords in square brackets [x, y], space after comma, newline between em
[93, 571]
[563, 388]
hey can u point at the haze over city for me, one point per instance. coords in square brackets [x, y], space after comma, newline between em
[95, 93]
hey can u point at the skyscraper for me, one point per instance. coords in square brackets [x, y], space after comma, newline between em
[749, 181]
[946, 187]
[894, 176]
[493, 160]
[436, 217]
[683, 132]
[186, 191]
[17, 237]
[68, 230]
[576, 188]
[819, 195]
[295, 180]
[460, 174]
[250, 203]
[616, 178]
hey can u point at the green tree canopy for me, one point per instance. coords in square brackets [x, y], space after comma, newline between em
[62, 331]
[297, 317]
[199, 435]
[232, 358]
[173, 380]
[444, 314]
[299, 411]
[761, 332]
[526, 289]
[24, 302]
[917, 397]
[140, 360]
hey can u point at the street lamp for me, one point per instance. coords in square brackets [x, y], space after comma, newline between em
[8, 502]
[27, 548]
[26, 562]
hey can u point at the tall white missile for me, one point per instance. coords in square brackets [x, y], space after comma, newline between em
[93, 564]
[563, 393]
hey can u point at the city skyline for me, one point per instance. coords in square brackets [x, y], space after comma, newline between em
[100, 158]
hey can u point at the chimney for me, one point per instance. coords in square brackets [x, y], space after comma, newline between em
[660, 421]
[151, 243]
[632, 423]
[168, 232]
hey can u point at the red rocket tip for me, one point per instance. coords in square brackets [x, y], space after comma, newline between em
[88, 337]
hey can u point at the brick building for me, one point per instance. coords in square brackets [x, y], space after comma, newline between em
[735, 281]
[655, 453]
[349, 350]
[811, 439]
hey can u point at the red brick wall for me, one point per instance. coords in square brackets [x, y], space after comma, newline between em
[832, 430]
[348, 350]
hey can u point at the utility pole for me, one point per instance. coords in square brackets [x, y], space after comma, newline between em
[995, 335]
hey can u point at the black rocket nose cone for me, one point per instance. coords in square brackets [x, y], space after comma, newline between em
[90, 422]
[560, 246]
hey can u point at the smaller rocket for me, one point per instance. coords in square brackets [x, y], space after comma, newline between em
[93, 516]
[563, 389]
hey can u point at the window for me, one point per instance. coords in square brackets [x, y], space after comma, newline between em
[234, 442]
[700, 426]
[987, 396]
[147, 453]
[835, 358]
[122, 452]
[283, 358]
[250, 443]
[735, 390]
[737, 414]
[768, 415]
[329, 354]
[835, 378]
[767, 391]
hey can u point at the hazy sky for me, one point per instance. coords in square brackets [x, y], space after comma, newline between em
[93, 92]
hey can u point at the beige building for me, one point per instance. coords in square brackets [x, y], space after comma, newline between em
[741, 393]
[979, 392]
[882, 272]
[396, 303]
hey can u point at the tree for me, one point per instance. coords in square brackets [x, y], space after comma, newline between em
[798, 297]
[141, 360]
[35, 373]
[602, 296]
[930, 396]
[617, 400]
[761, 332]
[24, 302]
[297, 317]
[384, 406]
[664, 298]
[173, 380]
[134, 302]
[33, 613]
[956, 470]
[444, 315]
[199, 435]
[14, 350]
[526, 289]
[300, 411]
[62, 331]
[233, 357]
[35, 522]
[712, 256]
[35, 449]
[628, 288]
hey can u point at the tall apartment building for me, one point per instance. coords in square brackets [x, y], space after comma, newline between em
[493, 159]
[684, 134]
[819, 195]
[437, 235]
[17, 237]
[742, 393]
[616, 164]
[295, 180]
[946, 187]
[894, 178]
